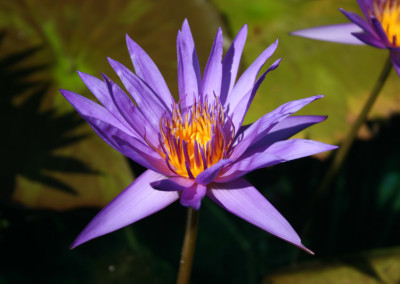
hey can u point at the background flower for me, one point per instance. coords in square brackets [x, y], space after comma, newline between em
[380, 28]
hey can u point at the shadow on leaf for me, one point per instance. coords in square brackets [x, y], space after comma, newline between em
[32, 134]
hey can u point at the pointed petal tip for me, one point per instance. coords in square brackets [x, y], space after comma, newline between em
[82, 75]
[307, 250]
[243, 30]
[127, 37]
[275, 64]
[317, 97]
[114, 63]
[73, 245]
[185, 25]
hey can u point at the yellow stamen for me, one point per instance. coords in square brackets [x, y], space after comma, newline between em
[197, 141]
[388, 14]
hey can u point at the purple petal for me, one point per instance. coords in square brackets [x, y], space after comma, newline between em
[188, 38]
[395, 57]
[341, 33]
[246, 82]
[243, 200]
[289, 127]
[144, 97]
[212, 77]
[269, 155]
[365, 6]
[358, 20]
[294, 149]
[230, 64]
[136, 202]
[173, 184]
[127, 109]
[380, 31]
[370, 39]
[208, 175]
[100, 91]
[192, 196]
[246, 165]
[188, 72]
[87, 108]
[240, 111]
[148, 72]
[129, 146]
[262, 126]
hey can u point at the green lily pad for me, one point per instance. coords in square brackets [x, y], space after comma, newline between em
[380, 266]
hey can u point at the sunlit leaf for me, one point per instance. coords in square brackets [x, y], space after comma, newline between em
[381, 266]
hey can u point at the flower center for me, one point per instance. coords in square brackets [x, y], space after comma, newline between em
[388, 13]
[196, 140]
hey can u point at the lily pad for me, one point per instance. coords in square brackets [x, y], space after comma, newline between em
[380, 266]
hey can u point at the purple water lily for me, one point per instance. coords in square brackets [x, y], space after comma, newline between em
[198, 146]
[380, 28]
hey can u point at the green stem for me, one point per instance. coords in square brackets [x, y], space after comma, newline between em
[189, 244]
[342, 152]
[344, 149]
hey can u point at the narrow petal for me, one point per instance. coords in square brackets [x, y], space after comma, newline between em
[294, 149]
[148, 72]
[395, 57]
[370, 39]
[136, 202]
[142, 95]
[270, 155]
[380, 31]
[129, 146]
[127, 109]
[262, 126]
[208, 175]
[100, 91]
[240, 111]
[230, 64]
[88, 108]
[358, 20]
[189, 79]
[192, 196]
[173, 184]
[365, 6]
[241, 199]
[188, 39]
[246, 82]
[341, 33]
[212, 77]
[247, 164]
[289, 127]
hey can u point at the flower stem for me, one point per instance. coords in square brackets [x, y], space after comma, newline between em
[341, 153]
[345, 147]
[189, 244]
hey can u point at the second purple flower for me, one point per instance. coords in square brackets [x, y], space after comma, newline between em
[380, 28]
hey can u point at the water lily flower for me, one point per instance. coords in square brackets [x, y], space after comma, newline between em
[380, 28]
[196, 147]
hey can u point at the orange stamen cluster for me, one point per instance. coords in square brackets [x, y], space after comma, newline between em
[193, 142]
[388, 13]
